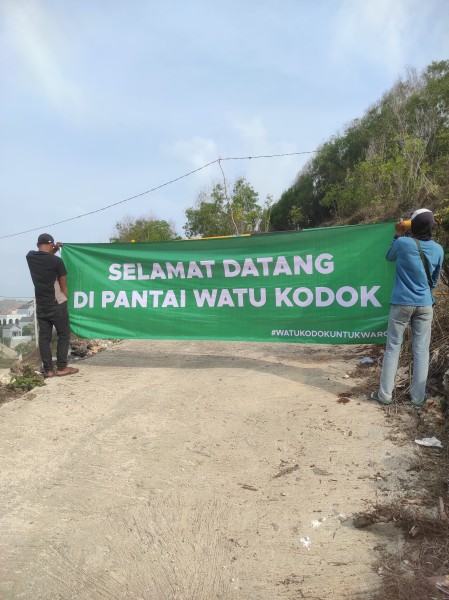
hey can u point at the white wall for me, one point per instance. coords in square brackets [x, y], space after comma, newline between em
[20, 339]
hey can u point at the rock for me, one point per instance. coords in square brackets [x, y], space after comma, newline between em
[80, 348]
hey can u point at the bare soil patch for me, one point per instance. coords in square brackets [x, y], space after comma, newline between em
[199, 471]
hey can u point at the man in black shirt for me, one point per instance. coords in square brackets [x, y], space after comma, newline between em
[49, 276]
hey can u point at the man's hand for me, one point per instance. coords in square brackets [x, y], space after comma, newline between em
[57, 247]
[400, 227]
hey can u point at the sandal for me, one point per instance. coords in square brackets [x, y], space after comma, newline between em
[67, 371]
[375, 396]
[48, 374]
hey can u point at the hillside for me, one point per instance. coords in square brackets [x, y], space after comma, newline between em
[381, 166]
[8, 304]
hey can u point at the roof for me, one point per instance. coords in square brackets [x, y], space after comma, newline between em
[27, 304]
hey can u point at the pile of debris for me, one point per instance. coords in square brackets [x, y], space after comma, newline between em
[79, 349]
[82, 348]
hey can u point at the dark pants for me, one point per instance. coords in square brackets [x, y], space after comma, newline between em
[55, 315]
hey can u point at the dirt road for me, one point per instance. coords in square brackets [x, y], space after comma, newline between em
[194, 471]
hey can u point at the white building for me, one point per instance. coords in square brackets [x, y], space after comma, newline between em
[13, 332]
[16, 315]
[27, 309]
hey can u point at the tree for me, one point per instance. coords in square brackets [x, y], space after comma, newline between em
[25, 348]
[143, 229]
[298, 206]
[392, 159]
[215, 213]
[28, 330]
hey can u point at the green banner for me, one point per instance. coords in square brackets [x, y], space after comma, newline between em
[328, 286]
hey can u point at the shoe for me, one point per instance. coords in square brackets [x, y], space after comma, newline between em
[66, 371]
[375, 396]
[418, 406]
[421, 404]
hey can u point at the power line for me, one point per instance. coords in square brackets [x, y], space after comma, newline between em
[158, 187]
[266, 155]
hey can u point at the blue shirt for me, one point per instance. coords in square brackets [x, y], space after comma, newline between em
[410, 286]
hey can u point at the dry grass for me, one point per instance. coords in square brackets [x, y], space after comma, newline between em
[7, 394]
[411, 576]
[423, 519]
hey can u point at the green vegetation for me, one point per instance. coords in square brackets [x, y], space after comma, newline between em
[216, 213]
[28, 330]
[384, 165]
[25, 348]
[27, 380]
[143, 229]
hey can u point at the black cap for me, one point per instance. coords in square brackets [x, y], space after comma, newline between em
[422, 224]
[45, 238]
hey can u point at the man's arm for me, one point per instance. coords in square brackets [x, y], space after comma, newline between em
[436, 273]
[392, 252]
[62, 280]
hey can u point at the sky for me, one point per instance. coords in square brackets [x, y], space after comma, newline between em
[104, 100]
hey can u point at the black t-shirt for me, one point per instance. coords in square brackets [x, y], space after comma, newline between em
[45, 269]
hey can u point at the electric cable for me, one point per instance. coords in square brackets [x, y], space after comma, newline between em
[158, 187]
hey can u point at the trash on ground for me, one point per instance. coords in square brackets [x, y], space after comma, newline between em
[317, 522]
[432, 442]
[441, 583]
[305, 541]
[366, 360]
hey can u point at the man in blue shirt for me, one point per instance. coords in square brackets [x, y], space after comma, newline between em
[411, 303]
